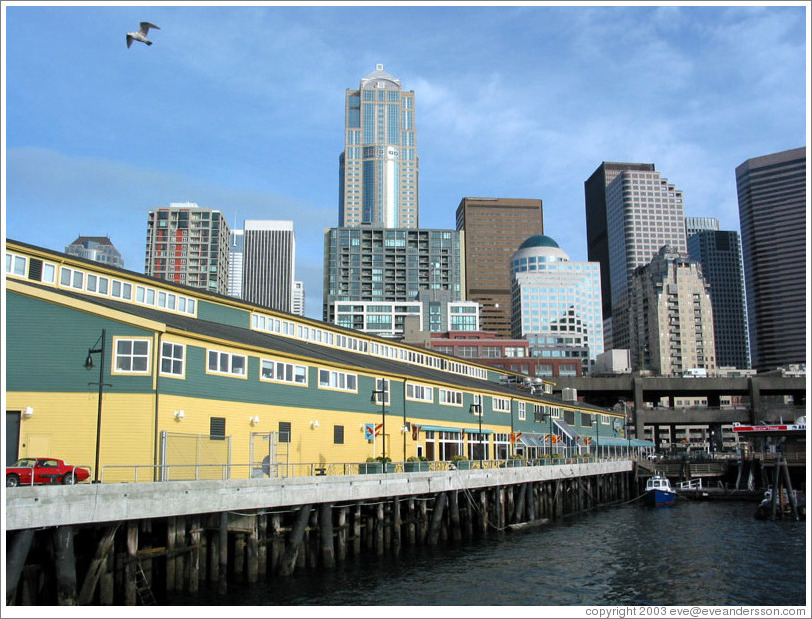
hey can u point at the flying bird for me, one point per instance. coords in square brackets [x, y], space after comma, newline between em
[141, 35]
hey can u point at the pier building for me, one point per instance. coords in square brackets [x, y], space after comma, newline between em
[142, 379]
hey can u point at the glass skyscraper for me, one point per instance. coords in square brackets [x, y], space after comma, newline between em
[378, 169]
[719, 252]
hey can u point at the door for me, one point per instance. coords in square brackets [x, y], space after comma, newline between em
[12, 437]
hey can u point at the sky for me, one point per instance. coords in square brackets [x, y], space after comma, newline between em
[241, 109]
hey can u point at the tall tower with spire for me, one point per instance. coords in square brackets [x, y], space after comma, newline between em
[378, 169]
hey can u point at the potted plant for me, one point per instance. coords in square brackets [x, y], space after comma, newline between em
[415, 464]
[460, 462]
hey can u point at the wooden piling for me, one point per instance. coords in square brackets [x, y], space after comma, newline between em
[437, 518]
[97, 566]
[341, 538]
[296, 535]
[65, 566]
[222, 553]
[15, 561]
[454, 516]
[194, 559]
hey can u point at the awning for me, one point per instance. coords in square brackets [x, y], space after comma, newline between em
[475, 431]
[611, 441]
[530, 440]
[439, 429]
[638, 442]
[566, 429]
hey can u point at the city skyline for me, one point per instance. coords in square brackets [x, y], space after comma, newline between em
[252, 125]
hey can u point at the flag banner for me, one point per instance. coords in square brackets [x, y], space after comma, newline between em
[378, 429]
[369, 430]
[415, 432]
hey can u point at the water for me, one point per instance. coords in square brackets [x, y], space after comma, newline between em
[696, 553]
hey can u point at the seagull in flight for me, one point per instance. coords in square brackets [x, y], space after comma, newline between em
[141, 35]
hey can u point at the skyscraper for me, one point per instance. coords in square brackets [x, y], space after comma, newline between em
[368, 266]
[671, 316]
[378, 170]
[494, 228]
[269, 263]
[188, 244]
[96, 248]
[719, 253]
[772, 214]
[639, 213]
[235, 256]
[597, 235]
[556, 302]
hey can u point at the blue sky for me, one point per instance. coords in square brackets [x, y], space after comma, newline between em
[241, 109]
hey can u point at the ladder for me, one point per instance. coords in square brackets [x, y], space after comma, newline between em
[142, 587]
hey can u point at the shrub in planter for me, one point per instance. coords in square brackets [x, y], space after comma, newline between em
[461, 462]
[414, 464]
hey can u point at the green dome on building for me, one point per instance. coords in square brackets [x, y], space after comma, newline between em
[538, 240]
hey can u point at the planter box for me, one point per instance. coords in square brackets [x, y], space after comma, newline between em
[415, 467]
[462, 465]
[515, 462]
[368, 468]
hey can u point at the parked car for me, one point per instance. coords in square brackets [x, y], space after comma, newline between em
[44, 471]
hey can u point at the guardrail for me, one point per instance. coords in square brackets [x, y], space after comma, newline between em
[123, 473]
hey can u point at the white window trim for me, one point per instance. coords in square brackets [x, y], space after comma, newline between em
[182, 373]
[231, 357]
[115, 369]
[276, 362]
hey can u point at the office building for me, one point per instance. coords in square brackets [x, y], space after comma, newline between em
[774, 227]
[698, 224]
[643, 212]
[269, 263]
[188, 244]
[235, 257]
[298, 307]
[719, 253]
[388, 265]
[378, 170]
[556, 303]
[493, 229]
[96, 248]
[671, 318]
[597, 231]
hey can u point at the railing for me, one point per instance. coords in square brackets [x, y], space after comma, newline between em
[691, 484]
[196, 472]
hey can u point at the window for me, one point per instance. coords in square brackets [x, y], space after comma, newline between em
[132, 356]
[381, 384]
[419, 392]
[450, 398]
[331, 379]
[522, 411]
[172, 358]
[338, 435]
[282, 372]
[500, 405]
[284, 432]
[226, 363]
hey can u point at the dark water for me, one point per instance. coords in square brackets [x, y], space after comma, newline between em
[696, 553]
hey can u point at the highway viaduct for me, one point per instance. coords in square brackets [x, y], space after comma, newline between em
[763, 396]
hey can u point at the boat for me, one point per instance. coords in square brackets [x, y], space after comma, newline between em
[659, 492]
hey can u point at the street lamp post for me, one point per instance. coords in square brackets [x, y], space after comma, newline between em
[476, 409]
[99, 349]
[383, 394]
[597, 436]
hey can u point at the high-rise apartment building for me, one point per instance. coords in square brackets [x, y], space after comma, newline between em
[671, 316]
[556, 303]
[493, 229]
[96, 248]
[378, 170]
[380, 265]
[719, 253]
[774, 228]
[643, 212]
[269, 263]
[235, 256]
[188, 244]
